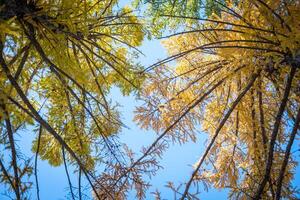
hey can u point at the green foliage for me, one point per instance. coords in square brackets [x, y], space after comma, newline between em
[170, 15]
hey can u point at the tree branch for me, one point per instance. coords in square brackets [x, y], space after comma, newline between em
[286, 156]
[275, 132]
[222, 123]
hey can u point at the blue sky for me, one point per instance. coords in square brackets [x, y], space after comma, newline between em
[177, 159]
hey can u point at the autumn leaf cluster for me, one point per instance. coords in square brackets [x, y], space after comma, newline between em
[232, 75]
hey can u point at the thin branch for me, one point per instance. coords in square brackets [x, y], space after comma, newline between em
[235, 103]
[79, 184]
[208, 46]
[67, 173]
[274, 133]
[15, 58]
[17, 183]
[6, 175]
[275, 14]
[262, 118]
[22, 63]
[36, 162]
[287, 155]
[228, 23]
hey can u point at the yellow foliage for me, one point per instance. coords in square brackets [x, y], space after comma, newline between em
[215, 61]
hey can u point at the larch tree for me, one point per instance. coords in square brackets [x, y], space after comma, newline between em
[233, 73]
[236, 77]
[59, 59]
